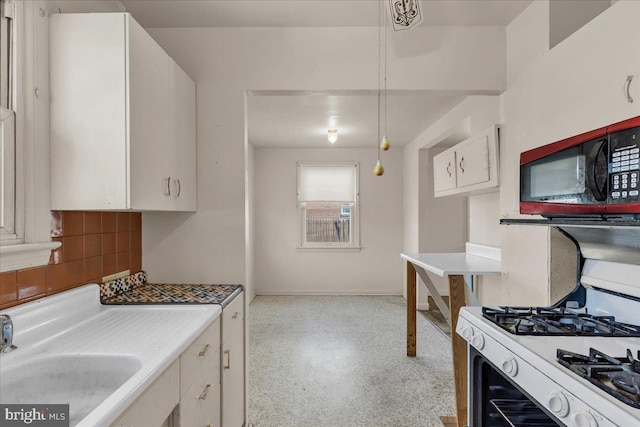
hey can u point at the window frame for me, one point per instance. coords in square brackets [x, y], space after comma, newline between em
[30, 243]
[354, 244]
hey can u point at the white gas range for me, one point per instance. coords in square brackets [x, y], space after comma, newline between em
[516, 378]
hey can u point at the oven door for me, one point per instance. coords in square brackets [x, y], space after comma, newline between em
[497, 402]
[573, 180]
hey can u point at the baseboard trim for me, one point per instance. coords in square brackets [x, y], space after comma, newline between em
[329, 293]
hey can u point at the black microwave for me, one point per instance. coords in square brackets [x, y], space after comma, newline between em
[594, 173]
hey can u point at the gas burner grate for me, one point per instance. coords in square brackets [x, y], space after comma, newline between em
[557, 321]
[618, 376]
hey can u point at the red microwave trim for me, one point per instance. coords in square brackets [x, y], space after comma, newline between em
[554, 147]
[623, 125]
[626, 208]
[548, 208]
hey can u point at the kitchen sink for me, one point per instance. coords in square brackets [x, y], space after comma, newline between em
[86, 380]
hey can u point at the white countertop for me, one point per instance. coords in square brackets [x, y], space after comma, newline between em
[478, 260]
[74, 322]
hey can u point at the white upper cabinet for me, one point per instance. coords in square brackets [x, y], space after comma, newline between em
[183, 139]
[470, 167]
[122, 118]
[444, 171]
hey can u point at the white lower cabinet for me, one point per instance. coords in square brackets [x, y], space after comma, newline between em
[154, 406]
[205, 386]
[200, 381]
[187, 394]
[233, 364]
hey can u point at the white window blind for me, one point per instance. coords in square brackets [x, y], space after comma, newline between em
[335, 183]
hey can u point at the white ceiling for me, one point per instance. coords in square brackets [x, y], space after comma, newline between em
[313, 13]
[288, 120]
[301, 119]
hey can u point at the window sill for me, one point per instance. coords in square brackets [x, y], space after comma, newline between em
[330, 248]
[17, 257]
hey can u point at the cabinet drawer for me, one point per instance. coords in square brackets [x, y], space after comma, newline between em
[232, 316]
[200, 406]
[205, 349]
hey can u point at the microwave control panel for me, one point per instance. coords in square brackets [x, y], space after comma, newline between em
[624, 166]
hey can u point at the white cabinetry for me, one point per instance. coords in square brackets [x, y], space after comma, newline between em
[233, 364]
[470, 167]
[200, 381]
[444, 171]
[154, 406]
[122, 118]
[191, 385]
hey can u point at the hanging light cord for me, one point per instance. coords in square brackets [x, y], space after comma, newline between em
[379, 66]
[385, 78]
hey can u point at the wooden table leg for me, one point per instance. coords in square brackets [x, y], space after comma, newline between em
[458, 347]
[411, 310]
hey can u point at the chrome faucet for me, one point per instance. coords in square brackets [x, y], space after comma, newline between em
[6, 334]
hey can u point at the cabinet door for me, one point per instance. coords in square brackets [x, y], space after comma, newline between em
[88, 111]
[149, 121]
[183, 139]
[444, 171]
[472, 165]
[233, 380]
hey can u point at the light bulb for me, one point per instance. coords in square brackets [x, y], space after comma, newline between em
[378, 170]
[332, 135]
[385, 143]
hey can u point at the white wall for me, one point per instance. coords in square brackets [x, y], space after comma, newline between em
[224, 62]
[566, 16]
[440, 224]
[280, 268]
[575, 87]
[527, 39]
[250, 221]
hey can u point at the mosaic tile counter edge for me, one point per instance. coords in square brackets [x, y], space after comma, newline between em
[135, 290]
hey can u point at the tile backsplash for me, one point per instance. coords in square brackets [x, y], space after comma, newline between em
[94, 245]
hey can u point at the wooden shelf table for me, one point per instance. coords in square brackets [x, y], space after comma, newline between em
[454, 266]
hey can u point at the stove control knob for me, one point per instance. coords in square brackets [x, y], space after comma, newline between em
[477, 341]
[558, 404]
[467, 332]
[510, 366]
[584, 419]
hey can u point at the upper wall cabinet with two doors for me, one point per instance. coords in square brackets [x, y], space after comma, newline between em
[123, 118]
[469, 167]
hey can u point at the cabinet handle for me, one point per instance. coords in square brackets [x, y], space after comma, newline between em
[179, 188]
[461, 162]
[204, 350]
[235, 316]
[168, 191]
[449, 169]
[627, 88]
[203, 396]
[228, 354]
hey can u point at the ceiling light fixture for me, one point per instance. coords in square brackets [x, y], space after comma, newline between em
[405, 13]
[332, 135]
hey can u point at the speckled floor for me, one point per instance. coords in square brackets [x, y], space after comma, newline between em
[339, 361]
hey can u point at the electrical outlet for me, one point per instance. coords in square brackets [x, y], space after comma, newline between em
[115, 276]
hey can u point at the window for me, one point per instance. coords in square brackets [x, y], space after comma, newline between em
[24, 146]
[328, 205]
[7, 123]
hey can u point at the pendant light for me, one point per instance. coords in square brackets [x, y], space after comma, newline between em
[378, 170]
